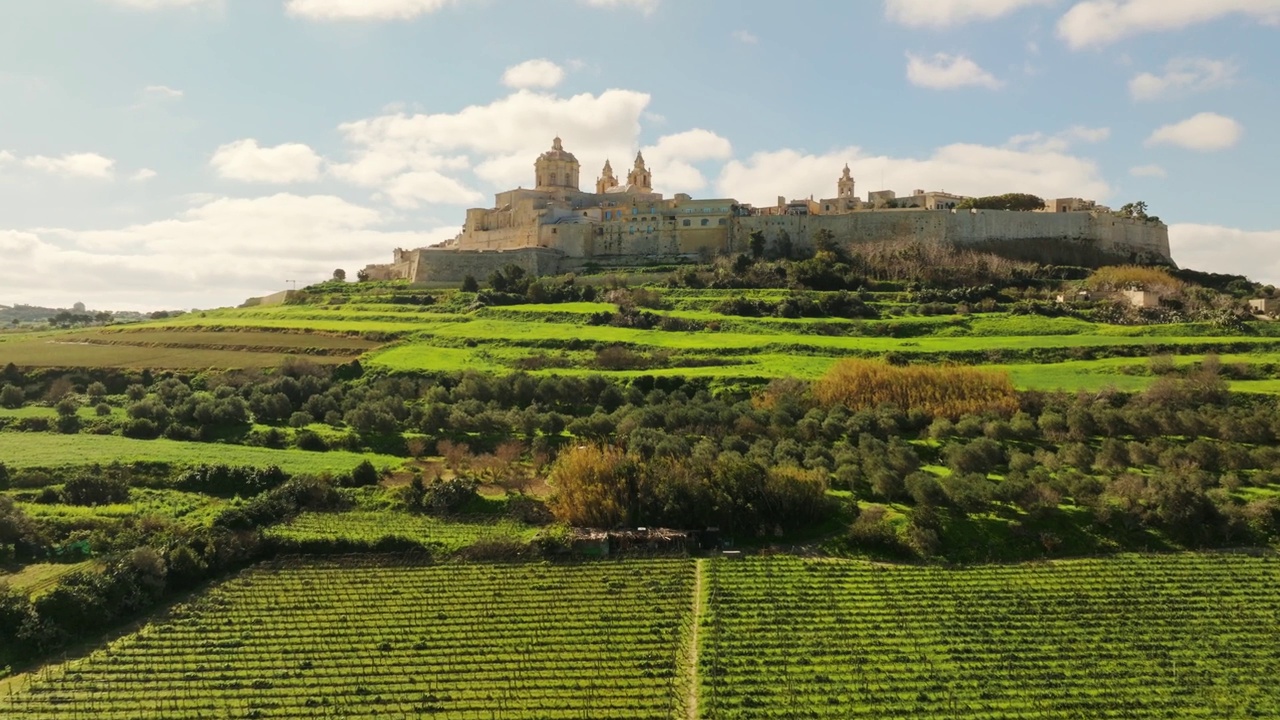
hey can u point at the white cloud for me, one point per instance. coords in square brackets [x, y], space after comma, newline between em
[363, 9]
[647, 6]
[246, 161]
[1183, 76]
[429, 186]
[216, 253]
[337, 10]
[143, 175]
[945, 13]
[163, 4]
[499, 141]
[75, 165]
[965, 169]
[671, 158]
[1214, 248]
[1151, 171]
[1095, 23]
[161, 92]
[745, 37]
[1204, 132]
[944, 72]
[1058, 142]
[533, 74]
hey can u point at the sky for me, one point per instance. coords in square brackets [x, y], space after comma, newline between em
[166, 154]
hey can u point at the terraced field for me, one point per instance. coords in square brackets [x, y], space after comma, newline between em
[1039, 352]
[364, 639]
[18, 450]
[148, 347]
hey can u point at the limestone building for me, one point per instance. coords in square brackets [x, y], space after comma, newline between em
[556, 227]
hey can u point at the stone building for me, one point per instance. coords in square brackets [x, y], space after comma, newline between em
[556, 227]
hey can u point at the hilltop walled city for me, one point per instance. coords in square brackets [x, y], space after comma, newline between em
[556, 227]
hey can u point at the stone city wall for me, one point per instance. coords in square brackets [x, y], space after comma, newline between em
[1078, 238]
[441, 265]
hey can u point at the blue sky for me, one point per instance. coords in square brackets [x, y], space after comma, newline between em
[191, 153]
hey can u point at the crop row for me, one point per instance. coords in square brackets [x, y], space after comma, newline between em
[1178, 636]
[343, 639]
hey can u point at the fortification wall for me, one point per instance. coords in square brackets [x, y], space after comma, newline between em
[1079, 238]
[443, 265]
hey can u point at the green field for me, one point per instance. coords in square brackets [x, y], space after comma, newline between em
[1143, 637]
[19, 450]
[364, 639]
[35, 580]
[1039, 352]
[369, 527]
[1176, 636]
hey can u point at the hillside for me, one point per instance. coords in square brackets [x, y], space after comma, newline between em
[922, 411]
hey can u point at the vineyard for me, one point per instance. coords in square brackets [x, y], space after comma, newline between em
[1152, 637]
[364, 639]
[368, 529]
[1176, 636]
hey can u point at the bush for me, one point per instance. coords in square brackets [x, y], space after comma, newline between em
[12, 397]
[363, 475]
[310, 441]
[89, 490]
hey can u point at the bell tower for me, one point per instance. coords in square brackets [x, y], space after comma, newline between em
[606, 181]
[845, 186]
[556, 169]
[640, 179]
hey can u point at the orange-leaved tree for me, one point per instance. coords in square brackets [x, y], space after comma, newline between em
[939, 391]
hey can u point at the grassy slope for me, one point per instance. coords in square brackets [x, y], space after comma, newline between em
[48, 450]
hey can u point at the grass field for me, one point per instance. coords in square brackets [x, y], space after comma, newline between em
[1171, 636]
[364, 639]
[18, 450]
[34, 580]
[452, 337]
[369, 527]
[150, 347]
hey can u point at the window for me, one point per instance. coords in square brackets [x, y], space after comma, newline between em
[722, 221]
[635, 211]
[687, 223]
[705, 222]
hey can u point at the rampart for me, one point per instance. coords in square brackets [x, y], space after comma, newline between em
[444, 265]
[1075, 238]
[1088, 239]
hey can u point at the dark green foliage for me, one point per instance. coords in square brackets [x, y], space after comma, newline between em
[95, 489]
[363, 475]
[442, 497]
[228, 481]
[1020, 202]
[11, 396]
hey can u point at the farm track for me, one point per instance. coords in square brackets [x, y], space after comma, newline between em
[691, 701]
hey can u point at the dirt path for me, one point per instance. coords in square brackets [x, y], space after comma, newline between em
[691, 653]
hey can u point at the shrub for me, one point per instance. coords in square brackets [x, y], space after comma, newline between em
[310, 441]
[89, 490]
[364, 475]
[12, 397]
